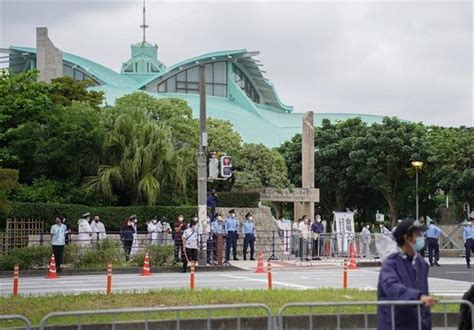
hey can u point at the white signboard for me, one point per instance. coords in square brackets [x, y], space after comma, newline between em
[345, 229]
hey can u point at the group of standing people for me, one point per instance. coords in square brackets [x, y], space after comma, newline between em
[307, 232]
[87, 232]
[189, 236]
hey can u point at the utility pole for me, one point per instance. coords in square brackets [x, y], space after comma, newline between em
[202, 164]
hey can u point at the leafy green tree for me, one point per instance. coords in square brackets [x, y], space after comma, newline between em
[259, 166]
[65, 90]
[451, 160]
[291, 152]
[173, 112]
[383, 157]
[8, 181]
[140, 159]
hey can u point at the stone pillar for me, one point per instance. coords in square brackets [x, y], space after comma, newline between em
[307, 157]
[49, 59]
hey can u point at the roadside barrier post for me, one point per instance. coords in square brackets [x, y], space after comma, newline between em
[109, 278]
[16, 273]
[270, 280]
[191, 279]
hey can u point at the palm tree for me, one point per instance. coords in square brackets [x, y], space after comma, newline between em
[140, 159]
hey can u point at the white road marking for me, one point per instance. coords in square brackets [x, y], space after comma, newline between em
[291, 285]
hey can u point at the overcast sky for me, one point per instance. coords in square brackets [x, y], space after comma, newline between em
[407, 59]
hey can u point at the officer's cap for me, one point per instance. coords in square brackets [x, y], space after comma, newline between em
[154, 217]
[133, 216]
[85, 215]
[248, 214]
[163, 218]
[405, 227]
[232, 211]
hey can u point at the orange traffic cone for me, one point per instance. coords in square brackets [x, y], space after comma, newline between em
[52, 268]
[146, 266]
[260, 263]
[353, 262]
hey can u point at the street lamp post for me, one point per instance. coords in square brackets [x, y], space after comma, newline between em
[417, 165]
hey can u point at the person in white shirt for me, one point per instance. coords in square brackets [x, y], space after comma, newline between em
[305, 236]
[98, 229]
[365, 239]
[84, 230]
[190, 242]
[155, 228]
[295, 236]
[135, 245]
[167, 239]
[58, 240]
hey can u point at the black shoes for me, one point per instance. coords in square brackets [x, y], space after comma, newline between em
[252, 259]
[437, 264]
[236, 259]
[431, 264]
[468, 266]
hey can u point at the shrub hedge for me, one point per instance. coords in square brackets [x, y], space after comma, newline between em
[114, 216]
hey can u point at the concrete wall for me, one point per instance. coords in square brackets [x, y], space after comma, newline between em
[49, 59]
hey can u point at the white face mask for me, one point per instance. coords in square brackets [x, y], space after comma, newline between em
[154, 221]
[135, 220]
[250, 218]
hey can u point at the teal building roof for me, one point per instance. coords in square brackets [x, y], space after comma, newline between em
[236, 87]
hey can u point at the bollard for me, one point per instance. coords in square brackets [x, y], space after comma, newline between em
[344, 276]
[270, 284]
[109, 278]
[16, 273]
[191, 280]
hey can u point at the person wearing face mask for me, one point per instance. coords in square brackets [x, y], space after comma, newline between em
[126, 236]
[207, 237]
[317, 228]
[98, 229]
[249, 231]
[231, 230]
[404, 276]
[58, 240]
[365, 239]
[84, 230]
[218, 234]
[468, 237]
[167, 231]
[178, 228]
[154, 229]
[305, 232]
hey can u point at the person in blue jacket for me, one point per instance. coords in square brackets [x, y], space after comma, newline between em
[404, 276]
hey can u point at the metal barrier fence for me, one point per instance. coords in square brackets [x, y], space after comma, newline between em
[284, 320]
[13, 317]
[178, 310]
[313, 317]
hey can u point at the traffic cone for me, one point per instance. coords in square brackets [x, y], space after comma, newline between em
[52, 268]
[146, 266]
[353, 262]
[260, 263]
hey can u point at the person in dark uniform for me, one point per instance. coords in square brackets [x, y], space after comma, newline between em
[126, 236]
[178, 228]
[68, 230]
[231, 229]
[249, 232]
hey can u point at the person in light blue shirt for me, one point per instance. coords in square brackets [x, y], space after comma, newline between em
[249, 231]
[58, 240]
[432, 236]
[468, 237]
[231, 230]
[218, 229]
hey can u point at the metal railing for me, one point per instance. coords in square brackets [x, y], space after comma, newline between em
[313, 317]
[24, 320]
[208, 309]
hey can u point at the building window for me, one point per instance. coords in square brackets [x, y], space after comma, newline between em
[187, 81]
[245, 84]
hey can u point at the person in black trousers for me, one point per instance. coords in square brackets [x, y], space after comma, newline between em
[126, 236]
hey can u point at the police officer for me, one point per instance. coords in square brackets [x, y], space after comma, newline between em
[468, 237]
[432, 236]
[231, 230]
[249, 232]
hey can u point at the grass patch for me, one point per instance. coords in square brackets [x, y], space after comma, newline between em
[35, 308]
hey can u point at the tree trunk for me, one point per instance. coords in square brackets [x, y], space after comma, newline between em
[339, 199]
[392, 205]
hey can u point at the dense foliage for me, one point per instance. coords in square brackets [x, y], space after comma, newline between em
[65, 147]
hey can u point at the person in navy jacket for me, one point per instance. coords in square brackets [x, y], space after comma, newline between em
[404, 276]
